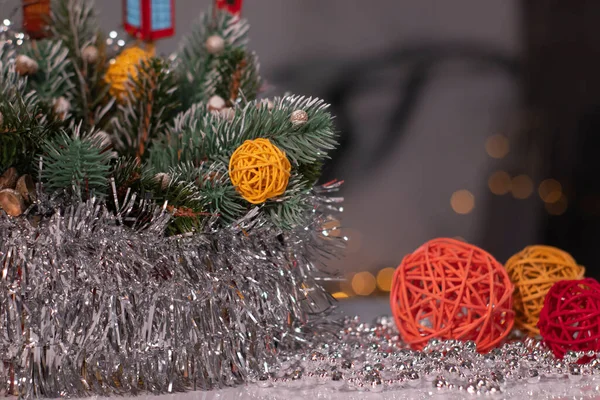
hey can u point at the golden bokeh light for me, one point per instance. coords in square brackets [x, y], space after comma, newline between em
[550, 190]
[340, 295]
[384, 279]
[558, 207]
[462, 201]
[521, 186]
[497, 146]
[462, 239]
[363, 283]
[499, 183]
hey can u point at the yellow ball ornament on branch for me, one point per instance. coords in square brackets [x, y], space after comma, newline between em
[533, 271]
[124, 67]
[259, 170]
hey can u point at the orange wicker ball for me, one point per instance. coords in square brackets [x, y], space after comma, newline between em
[449, 289]
[533, 271]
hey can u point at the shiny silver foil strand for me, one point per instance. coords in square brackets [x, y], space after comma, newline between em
[90, 306]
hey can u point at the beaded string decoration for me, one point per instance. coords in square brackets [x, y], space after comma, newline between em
[449, 289]
[259, 170]
[533, 271]
[570, 318]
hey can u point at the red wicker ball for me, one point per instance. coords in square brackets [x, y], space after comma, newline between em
[570, 318]
[449, 289]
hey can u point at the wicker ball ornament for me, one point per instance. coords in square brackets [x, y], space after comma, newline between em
[125, 66]
[259, 170]
[570, 318]
[299, 118]
[533, 271]
[448, 289]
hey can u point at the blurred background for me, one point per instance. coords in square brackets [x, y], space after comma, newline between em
[467, 119]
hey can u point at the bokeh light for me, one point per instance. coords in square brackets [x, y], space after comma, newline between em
[462, 201]
[363, 283]
[384, 279]
[497, 146]
[558, 207]
[499, 183]
[521, 186]
[550, 190]
[340, 295]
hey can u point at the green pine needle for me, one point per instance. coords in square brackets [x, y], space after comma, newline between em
[200, 72]
[77, 163]
[152, 102]
[55, 73]
[24, 125]
[74, 22]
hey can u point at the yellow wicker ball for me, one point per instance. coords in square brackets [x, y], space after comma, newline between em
[259, 170]
[123, 67]
[533, 271]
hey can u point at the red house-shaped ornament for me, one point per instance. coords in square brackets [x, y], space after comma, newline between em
[149, 20]
[36, 14]
[233, 6]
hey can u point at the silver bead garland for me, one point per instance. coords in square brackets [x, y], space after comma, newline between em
[372, 357]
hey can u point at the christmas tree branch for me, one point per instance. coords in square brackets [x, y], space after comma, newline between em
[78, 163]
[54, 71]
[198, 139]
[201, 69]
[24, 124]
[150, 105]
[74, 22]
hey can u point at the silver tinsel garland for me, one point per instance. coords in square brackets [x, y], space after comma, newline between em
[91, 306]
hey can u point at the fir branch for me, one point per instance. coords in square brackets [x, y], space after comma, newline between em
[74, 22]
[198, 70]
[215, 138]
[151, 104]
[237, 77]
[182, 140]
[53, 78]
[289, 213]
[76, 163]
[289, 210]
[198, 138]
[11, 84]
[24, 125]
[127, 173]
[212, 183]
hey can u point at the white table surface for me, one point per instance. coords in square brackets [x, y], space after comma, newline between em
[543, 390]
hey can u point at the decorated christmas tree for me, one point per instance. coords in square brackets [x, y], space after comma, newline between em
[161, 228]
